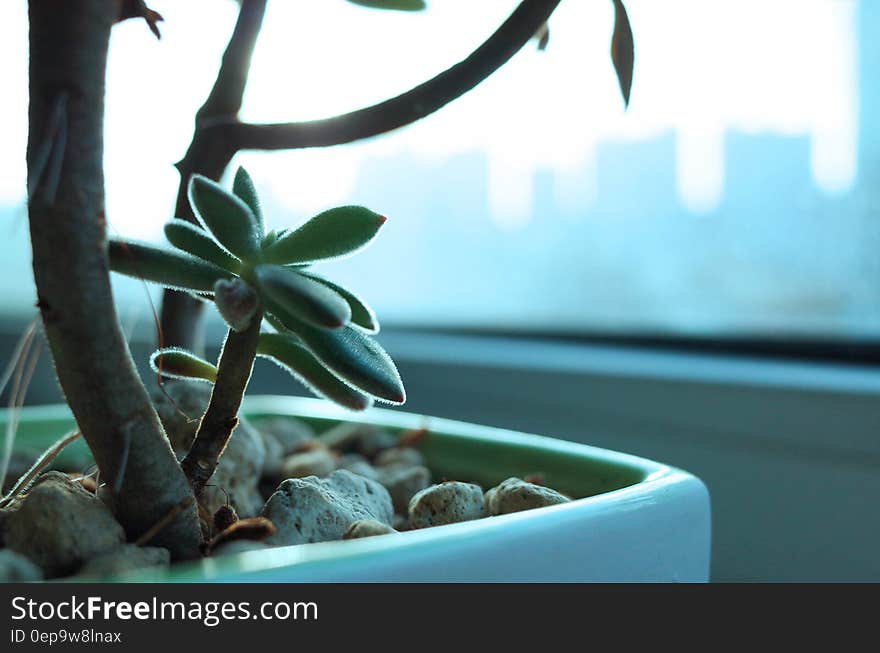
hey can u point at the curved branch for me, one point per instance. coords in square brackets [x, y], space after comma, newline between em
[413, 105]
[219, 135]
[209, 156]
[228, 91]
[68, 52]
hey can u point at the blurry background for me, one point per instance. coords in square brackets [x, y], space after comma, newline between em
[733, 208]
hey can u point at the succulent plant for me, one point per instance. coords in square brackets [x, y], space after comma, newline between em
[321, 332]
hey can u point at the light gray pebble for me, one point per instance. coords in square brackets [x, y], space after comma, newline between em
[357, 464]
[313, 509]
[352, 437]
[367, 528]
[59, 525]
[290, 433]
[515, 494]
[446, 503]
[400, 456]
[403, 483]
[318, 462]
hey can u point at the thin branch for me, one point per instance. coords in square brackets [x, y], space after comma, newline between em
[406, 108]
[16, 366]
[228, 91]
[220, 135]
[209, 156]
[17, 397]
[39, 465]
[139, 9]
[17, 353]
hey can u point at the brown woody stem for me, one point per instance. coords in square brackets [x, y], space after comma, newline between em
[221, 418]
[406, 108]
[68, 56]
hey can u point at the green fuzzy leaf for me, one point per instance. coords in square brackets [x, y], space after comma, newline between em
[349, 353]
[361, 314]
[330, 234]
[303, 297]
[277, 324]
[243, 188]
[196, 241]
[178, 363]
[229, 219]
[622, 50]
[286, 351]
[169, 268]
[397, 5]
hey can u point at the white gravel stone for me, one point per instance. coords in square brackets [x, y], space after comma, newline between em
[400, 457]
[291, 433]
[515, 494]
[446, 503]
[58, 525]
[352, 437]
[316, 509]
[318, 462]
[357, 464]
[367, 528]
[403, 483]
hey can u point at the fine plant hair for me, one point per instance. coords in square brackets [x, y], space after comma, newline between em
[322, 332]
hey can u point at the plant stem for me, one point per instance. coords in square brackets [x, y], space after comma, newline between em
[68, 55]
[406, 108]
[221, 418]
[220, 135]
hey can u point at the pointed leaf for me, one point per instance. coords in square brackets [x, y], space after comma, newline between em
[398, 5]
[361, 314]
[196, 241]
[178, 363]
[350, 354]
[205, 297]
[286, 351]
[169, 268]
[330, 234]
[230, 220]
[303, 297]
[243, 188]
[622, 50]
[269, 238]
[543, 37]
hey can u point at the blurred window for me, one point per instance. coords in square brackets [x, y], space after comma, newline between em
[739, 193]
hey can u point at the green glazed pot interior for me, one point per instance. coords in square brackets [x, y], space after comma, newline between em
[453, 450]
[609, 486]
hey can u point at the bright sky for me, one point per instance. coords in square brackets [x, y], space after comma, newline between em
[702, 69]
